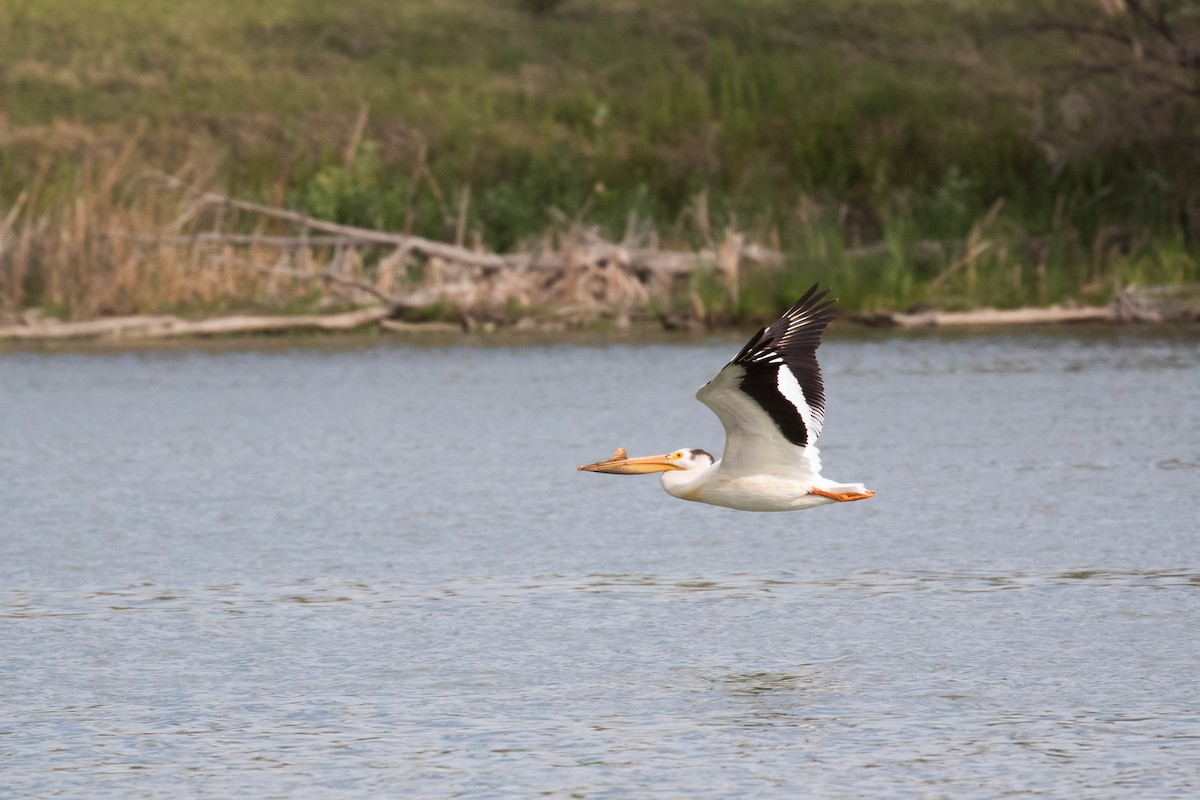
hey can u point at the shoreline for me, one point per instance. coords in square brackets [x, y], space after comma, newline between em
[381, 320]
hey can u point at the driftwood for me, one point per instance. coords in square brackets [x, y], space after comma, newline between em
[401, 326]
[161, 327]
[1179, 303]
[995, 316]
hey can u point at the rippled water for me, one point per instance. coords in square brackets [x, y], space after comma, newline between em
[373, 570]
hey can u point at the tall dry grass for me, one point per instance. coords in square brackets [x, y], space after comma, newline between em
[126, 245]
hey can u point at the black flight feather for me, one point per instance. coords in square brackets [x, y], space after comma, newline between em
[789, 342]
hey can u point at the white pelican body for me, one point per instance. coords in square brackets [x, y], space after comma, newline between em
[771, 401]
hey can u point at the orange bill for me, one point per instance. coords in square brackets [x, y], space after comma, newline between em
[620, 465]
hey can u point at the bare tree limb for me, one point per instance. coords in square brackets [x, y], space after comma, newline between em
[364, 235]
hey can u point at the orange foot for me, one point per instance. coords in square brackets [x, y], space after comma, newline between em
[843, 497]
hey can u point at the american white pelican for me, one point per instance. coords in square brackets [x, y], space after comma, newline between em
[771, 400]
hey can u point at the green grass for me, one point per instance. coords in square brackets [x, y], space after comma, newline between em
[900, 122]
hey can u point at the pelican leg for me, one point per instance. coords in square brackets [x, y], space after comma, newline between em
[843, 497]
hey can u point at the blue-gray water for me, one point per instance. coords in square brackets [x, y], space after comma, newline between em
[374, 571]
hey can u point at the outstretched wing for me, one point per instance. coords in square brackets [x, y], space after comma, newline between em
[770, 397]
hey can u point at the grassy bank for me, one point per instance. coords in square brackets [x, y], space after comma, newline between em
[933, 151]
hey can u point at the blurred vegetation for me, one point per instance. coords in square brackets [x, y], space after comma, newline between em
[1050, 149]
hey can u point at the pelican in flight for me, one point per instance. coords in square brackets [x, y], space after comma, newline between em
[771, 400]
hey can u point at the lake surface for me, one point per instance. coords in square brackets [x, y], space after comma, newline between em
[352, 571]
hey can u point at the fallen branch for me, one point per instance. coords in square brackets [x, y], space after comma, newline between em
[995, 316]
[419, 327]
[161, 327]
[359, 235]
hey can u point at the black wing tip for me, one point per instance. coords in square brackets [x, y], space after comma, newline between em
[812, 306]
[810, 303]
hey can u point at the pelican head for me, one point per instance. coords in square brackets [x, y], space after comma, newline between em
[621, 464]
